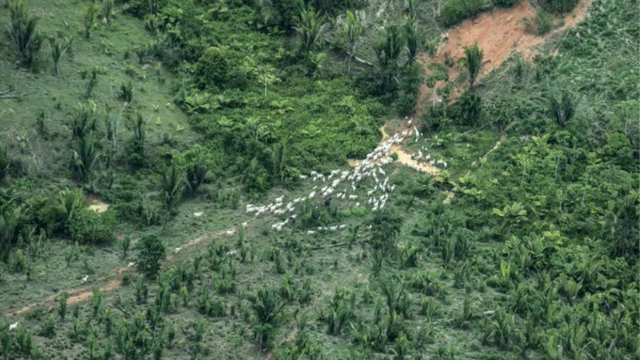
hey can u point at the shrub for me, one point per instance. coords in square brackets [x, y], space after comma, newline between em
[469, 108]
[5, 162]
[23, 34]
[150, 252]
[89, 227]
[544, 21]
[562, 110]
[212, 69]
[455, 11]
[408, 90]
[505, 3]
[559, 6]
[126, 92]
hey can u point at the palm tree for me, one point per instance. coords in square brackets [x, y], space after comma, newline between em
[388, 48]
[353, 29]
[172, 185]
[472, 61]
[393, 290]
[22, 33]
[411, 33]
[310, 27]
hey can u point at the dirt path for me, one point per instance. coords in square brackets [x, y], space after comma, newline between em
[82, 293]
[404, 157]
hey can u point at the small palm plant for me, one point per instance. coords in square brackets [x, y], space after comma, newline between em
[197, 172]
[23, 34]
[84, 120]
[310, 27]
[472, 61]
[172, 185]
[562, 110]
[126, 92]
[58, 49]
[85, 156]
[69, 202]
[90, 19]
[267, 308]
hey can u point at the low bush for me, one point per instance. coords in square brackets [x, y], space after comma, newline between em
[544, 22]
[89, 227]
[559, 6]
[455, 11]
[505, 3]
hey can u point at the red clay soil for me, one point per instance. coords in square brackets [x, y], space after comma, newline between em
[499, 33]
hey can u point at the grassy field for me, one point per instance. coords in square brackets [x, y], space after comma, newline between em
[524, 248]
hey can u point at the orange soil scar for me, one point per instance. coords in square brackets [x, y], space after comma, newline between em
[499, 33]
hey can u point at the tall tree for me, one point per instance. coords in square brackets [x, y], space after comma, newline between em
[388, 48]
[472, 61]
[353, 29]
[411, 34]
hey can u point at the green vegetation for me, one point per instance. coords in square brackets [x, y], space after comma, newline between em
[472, 61]
[559, 6]
[165, 175]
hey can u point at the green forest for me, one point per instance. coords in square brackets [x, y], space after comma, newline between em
[305, 179]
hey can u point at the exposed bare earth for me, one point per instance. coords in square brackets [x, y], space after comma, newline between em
[97, 205]
[499, 33]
